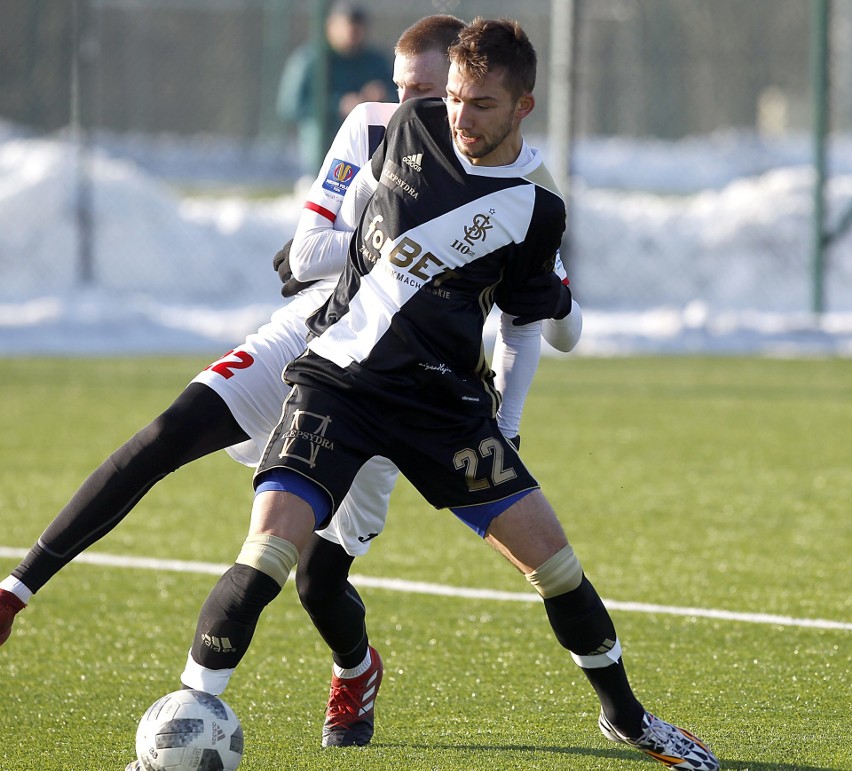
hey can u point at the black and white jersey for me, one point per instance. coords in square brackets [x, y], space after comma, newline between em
[438, 242]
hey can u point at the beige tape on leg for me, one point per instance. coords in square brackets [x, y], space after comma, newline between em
[561, 573]
[269, 554]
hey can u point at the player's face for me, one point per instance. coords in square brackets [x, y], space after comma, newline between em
[485, 119]
[421, 75]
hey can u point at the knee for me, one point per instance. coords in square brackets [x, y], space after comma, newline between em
[322, 573]
[312, 589]
[270, 555]
[561, 573]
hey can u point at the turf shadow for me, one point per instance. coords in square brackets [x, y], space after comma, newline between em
[613, 754]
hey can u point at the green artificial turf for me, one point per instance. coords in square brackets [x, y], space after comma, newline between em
[710, 484]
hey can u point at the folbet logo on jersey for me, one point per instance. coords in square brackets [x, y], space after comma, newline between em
[340, 174]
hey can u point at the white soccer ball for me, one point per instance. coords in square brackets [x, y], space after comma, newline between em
[189, 731]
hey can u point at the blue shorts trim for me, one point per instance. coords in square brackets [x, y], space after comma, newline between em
[286, 481]
[479, 516]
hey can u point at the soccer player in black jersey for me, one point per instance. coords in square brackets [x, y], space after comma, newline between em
[455, 213]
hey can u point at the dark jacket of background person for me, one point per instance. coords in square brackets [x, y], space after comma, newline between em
[357, 72]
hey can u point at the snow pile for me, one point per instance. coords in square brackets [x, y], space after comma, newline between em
[720, 267]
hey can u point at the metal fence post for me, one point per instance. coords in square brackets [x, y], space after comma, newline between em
[560, 103]
[81, 117]
[820, 15]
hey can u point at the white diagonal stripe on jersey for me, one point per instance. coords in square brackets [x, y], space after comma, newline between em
[353, 337]
[388, 287]
[513, 208]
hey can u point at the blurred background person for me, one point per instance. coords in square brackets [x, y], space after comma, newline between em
[356, 72]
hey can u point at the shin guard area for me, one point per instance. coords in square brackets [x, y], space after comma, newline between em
[335, 607]
[561, 573]
[580, 621]
[229, 616]
[270, 555]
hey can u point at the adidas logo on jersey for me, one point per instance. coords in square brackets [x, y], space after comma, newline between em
[414, 161]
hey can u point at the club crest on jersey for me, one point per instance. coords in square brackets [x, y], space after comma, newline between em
[340, 174]
[476, 231]
[479, 229]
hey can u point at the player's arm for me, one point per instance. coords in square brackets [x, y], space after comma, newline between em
[331, 245]
[320, 243]
[543, 296]
[531, 290]
[318, 249]
[563, 334]
[517, 350]
[357, 197]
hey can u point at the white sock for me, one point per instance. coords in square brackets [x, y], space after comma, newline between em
[203, 679]
[20, 590]
[348, 674]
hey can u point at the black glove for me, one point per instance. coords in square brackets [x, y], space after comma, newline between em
[542, 297]
[516, 441]
[281, 263]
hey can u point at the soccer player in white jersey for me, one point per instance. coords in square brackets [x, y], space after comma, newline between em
[236, 401]
[454, 213]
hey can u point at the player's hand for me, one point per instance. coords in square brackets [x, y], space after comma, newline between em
[281, 263]
[542, 297]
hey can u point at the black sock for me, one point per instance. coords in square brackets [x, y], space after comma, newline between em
[621, 707]
[333, 604]
[582, 624]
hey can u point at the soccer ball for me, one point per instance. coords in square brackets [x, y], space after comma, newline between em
[189, 731]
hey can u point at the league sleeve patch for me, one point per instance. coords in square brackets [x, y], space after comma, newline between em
[339, 175]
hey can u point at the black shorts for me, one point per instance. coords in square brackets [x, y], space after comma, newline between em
[452, 461]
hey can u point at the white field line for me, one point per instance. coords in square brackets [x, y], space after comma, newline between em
[420, 587]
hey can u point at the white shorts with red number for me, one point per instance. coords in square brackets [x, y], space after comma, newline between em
[248, 379]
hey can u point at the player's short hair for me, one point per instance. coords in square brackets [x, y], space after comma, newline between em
[486, 45]
[431, 33]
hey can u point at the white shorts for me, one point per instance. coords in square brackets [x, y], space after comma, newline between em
[248, 379]
[361, 516]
